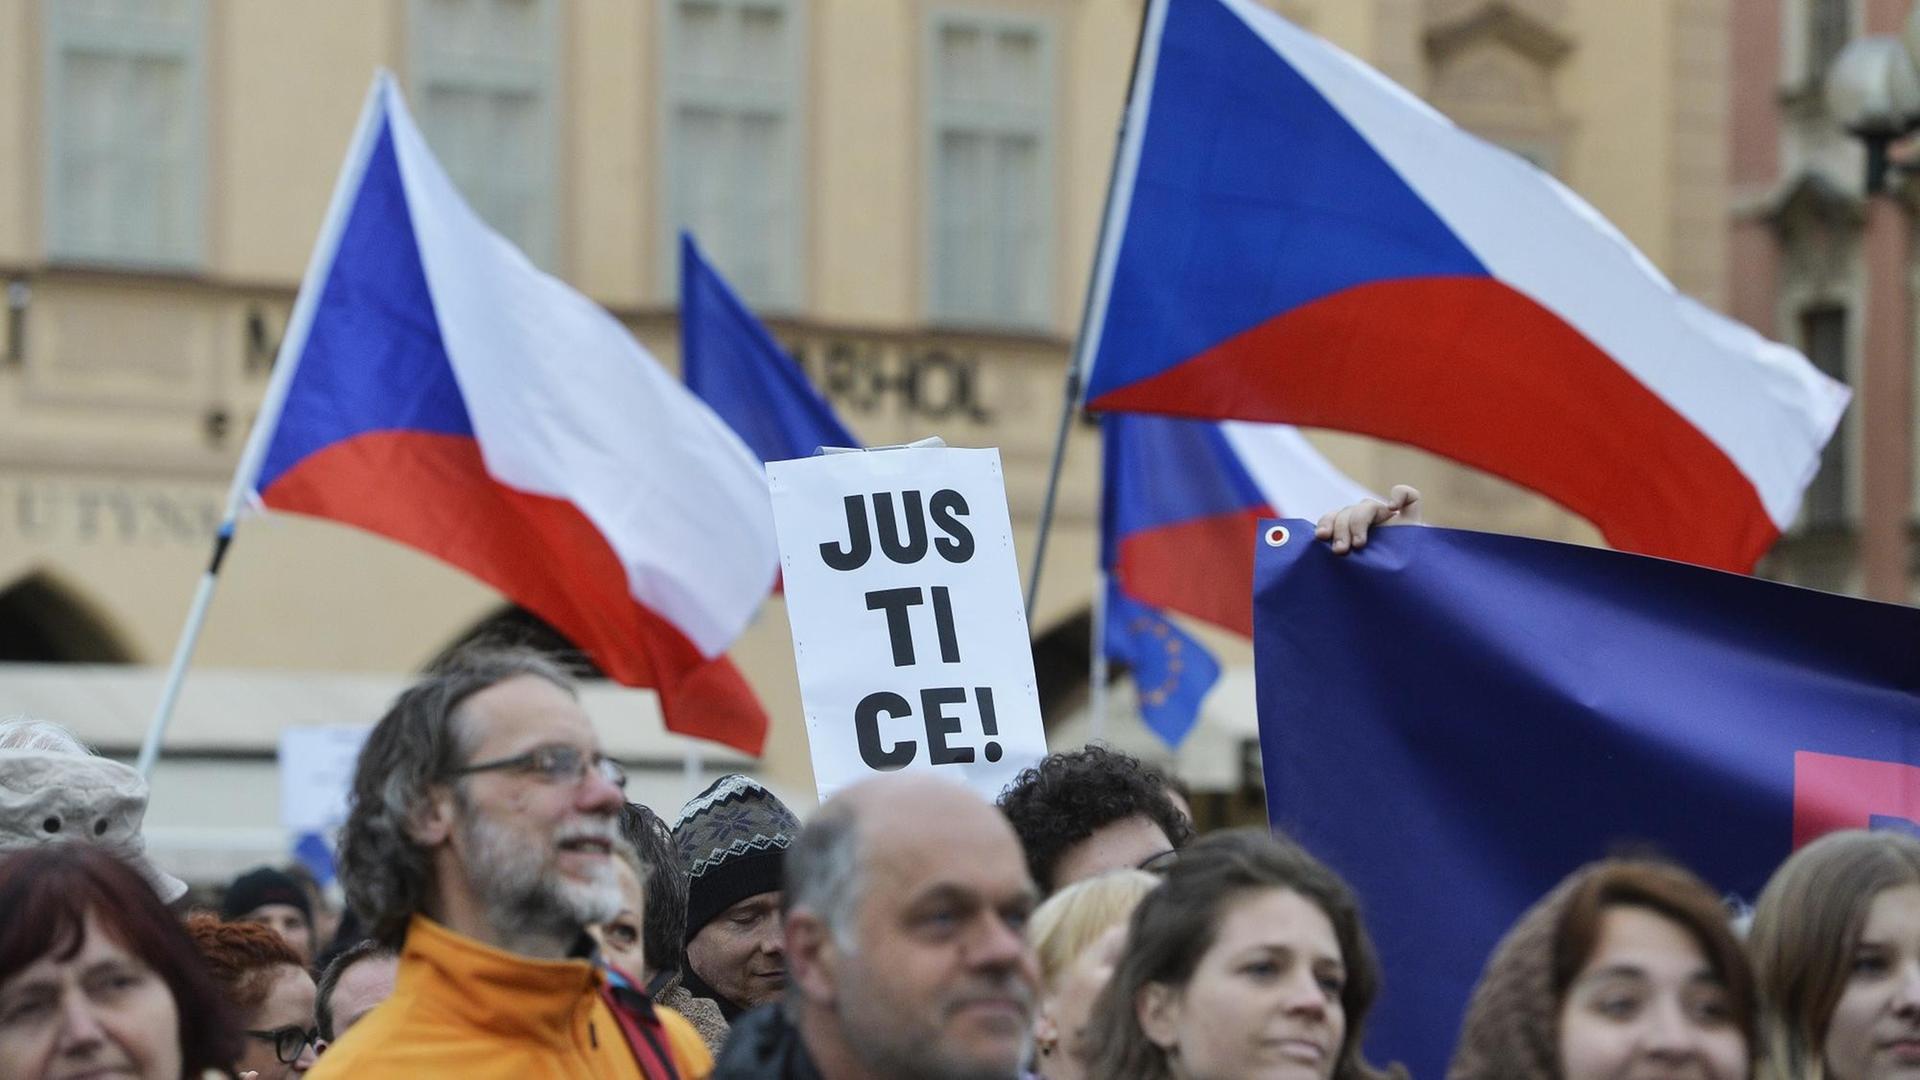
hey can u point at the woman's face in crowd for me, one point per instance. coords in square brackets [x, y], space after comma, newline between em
[289, 1004]
[1874, 1032]
[1647, 1004]
[1066, 1007]
[1264, 1000]
[102, 1011]
[622, 938]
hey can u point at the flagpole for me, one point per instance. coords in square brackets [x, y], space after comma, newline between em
[1126, 153]
[292, 343]
[1097, 692]
[690, 769]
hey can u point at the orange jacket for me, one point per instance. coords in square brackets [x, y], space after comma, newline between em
[467, 1010]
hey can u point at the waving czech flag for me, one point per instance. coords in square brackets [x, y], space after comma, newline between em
[1180, 504]
[1292, 237]
[447, 394]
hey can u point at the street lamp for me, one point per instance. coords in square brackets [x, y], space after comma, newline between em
[1873, 90]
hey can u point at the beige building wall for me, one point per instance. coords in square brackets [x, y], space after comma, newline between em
[121, 419]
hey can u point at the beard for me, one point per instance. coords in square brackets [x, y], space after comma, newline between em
[521, 889]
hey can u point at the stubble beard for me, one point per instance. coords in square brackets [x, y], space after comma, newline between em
[892, 1049]
[524, 893]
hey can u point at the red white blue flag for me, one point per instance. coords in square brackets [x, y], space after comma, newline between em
[1293, 238]
[453, 397]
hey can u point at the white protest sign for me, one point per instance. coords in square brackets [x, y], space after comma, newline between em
[316, 772]
[908, 627]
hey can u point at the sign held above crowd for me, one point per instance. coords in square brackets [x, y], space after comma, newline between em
[908, 628]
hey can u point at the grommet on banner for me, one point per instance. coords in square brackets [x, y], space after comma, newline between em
[1277, 536]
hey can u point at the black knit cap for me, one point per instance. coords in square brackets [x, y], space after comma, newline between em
[733, 838]
[261, 886]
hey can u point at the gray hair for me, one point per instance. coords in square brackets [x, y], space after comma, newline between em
[415, 746]
[33, 733]
[824, 872]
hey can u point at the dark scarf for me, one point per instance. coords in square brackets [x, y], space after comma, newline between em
[764, 1045]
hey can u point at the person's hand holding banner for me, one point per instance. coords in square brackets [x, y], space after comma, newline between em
[908, 629]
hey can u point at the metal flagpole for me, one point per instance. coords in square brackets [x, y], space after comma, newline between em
[1097, 693]
[691, 767]
[292, 344]
[1126, 152]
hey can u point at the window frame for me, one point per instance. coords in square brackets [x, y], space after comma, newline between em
[62, 31]
[426, 68]
[935, 116]
[791, 294]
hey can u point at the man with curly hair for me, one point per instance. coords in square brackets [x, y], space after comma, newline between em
[1091, 810]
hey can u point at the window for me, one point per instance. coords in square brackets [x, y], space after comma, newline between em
[126, 117]
[1829, 28]
[483, 89]
[990, 175]
[1823, 336]
[734, 86]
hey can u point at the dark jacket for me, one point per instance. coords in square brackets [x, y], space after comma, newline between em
[764, 1045]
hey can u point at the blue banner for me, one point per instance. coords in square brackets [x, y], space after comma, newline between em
[1456, 720]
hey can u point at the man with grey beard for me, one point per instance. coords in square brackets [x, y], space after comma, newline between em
[906, 901]
[479, 846]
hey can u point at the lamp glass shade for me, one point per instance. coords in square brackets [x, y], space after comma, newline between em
[1873, 87]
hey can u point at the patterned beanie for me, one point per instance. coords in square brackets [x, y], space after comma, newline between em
[733, 838]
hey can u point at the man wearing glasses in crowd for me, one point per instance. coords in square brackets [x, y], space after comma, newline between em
[479, 844]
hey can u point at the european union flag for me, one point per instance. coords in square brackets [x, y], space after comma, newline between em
[1172, 672]
[1456, 720]
[736, 367]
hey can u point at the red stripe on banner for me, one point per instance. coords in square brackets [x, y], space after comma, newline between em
[432, 492]
[1831, 792]
[1202, 567]
[1471, 369]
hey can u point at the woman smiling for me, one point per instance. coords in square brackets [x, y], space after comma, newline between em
[1250, 961]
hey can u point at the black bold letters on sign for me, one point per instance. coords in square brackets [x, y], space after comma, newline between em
[899, 528]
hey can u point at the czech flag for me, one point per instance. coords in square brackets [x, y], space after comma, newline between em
[1292, 237]
[1456, 720]
[1180, 500]
[733, 363]
[447, 394]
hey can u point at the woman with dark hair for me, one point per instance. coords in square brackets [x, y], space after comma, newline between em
[97, 976]
[1249, 961]
[268, 987]
[1628, 967]
[1836, 951]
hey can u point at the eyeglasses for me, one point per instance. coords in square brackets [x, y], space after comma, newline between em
[555, 765]
[1160, 863]
[288, 1042]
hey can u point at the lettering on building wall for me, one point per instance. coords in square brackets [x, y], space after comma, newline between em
[65, 512]
[933, 382]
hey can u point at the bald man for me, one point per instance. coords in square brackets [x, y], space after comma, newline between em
[906, 902]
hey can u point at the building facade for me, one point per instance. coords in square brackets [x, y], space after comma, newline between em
[907, 190]
[1829, 270]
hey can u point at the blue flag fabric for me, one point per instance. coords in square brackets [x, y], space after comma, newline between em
[1454, 721]
[1172, 671]
[735, 366]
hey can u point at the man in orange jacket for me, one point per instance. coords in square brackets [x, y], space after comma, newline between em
[479, 844]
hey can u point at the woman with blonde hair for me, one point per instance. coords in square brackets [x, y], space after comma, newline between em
[1078, 935]
[1836, 950]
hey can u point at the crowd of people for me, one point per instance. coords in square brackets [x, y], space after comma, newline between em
[511, 914]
